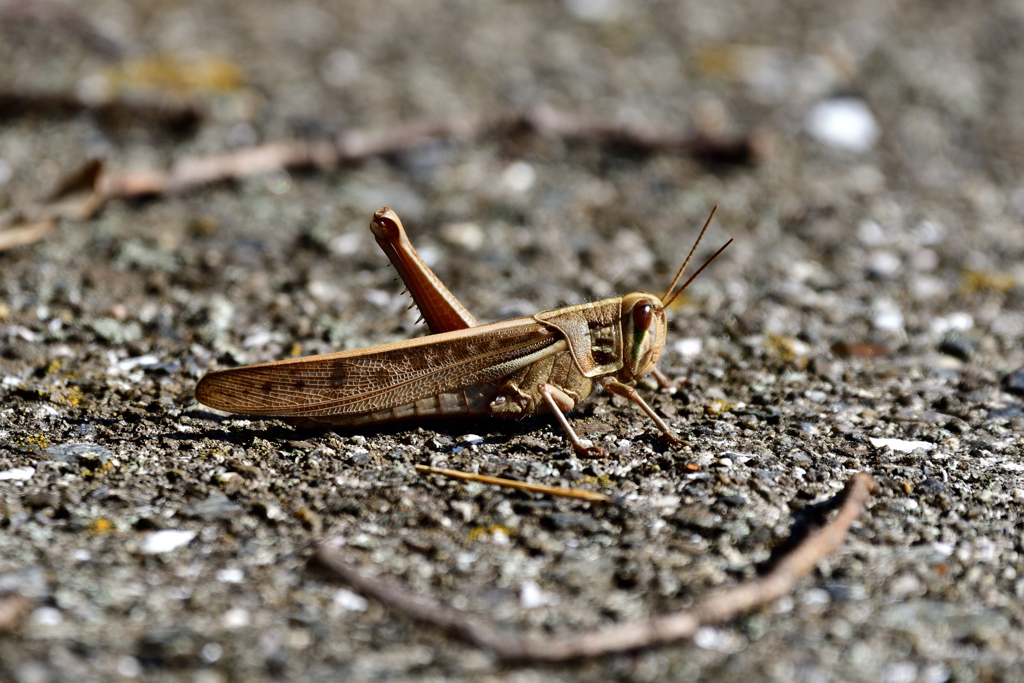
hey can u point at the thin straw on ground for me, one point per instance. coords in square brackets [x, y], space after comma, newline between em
[520, 485]
[719, 607]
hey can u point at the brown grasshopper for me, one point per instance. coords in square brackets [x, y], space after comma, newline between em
[550, 361]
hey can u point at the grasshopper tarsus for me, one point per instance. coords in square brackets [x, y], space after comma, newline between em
[591, 452]
[550, 361]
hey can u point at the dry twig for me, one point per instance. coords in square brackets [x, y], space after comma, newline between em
[520, 485]
[191, 173]
[25, 234]
[718, 607]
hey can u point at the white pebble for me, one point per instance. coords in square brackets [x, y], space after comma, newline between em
[531, 596]
[18, 474]
[871, 233]
[166, 540]
[886, 315]
[236, 617]
[885, 263]
[716, 639]
[129, 667]
[689, 347]
[902, 445]
[230, 575]
[129, 364]
[954, 322]
[899, 672]
[519, 177]
[257, 339]
[47, 616]
[816, 596]
[349, 601]
[843, 123]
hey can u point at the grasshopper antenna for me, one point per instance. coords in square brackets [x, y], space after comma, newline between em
[670, 296]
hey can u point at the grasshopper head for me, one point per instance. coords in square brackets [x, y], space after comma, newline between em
[644, 327]
[643, 318]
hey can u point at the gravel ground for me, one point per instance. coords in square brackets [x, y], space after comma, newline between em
[873, 292]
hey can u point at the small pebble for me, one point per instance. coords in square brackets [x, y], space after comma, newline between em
[236, 617]
[47, 616]
[902, 445]
[954, 322]
[843, 123]
[886, 315]
[1014, 382]
[166, 540]
[18, 474]
[349, 601]
[689, 347]
[885, 263]
[518, 177]
[230, 575]
[531, 596]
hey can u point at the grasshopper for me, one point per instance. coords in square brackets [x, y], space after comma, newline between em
[550, 361]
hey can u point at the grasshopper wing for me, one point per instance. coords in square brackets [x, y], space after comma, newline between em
[339, 387]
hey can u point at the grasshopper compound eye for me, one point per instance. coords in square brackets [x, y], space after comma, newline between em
[643, 314]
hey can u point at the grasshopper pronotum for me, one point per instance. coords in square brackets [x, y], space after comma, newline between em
[550, 361]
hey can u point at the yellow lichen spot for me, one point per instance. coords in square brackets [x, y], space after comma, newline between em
[97, 472]
[36, 442]
[54, 367]
[102, 525]
[70, 396]
[783, 347]
[5, 310]
[978, 281]
[603, 480]
[296, 350]
[717, 407]
[487, 533]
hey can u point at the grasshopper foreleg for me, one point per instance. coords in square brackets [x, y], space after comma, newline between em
[626, 391]
[560, 402]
